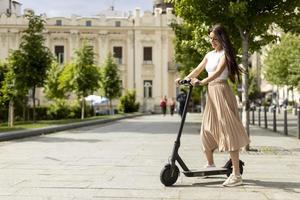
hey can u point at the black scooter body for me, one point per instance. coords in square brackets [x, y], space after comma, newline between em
[170, 171]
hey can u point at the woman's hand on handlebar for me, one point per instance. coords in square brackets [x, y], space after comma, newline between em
[196, 82]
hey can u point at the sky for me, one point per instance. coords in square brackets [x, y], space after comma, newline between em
[55, 8]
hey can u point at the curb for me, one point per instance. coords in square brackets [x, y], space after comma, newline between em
[6, 136]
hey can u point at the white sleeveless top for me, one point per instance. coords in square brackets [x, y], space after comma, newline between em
[213, 59]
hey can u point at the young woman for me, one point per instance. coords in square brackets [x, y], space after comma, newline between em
[221, 126]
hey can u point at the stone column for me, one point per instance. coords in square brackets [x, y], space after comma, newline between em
[103, 46]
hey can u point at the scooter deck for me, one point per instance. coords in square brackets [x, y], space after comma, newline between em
[206, 172]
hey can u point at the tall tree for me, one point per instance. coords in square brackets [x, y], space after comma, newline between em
[110, 80]
[10, 89]
[33, 59]
[81, 77]
[282, 64]
[247, 21]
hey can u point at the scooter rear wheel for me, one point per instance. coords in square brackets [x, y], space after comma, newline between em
[167, 177]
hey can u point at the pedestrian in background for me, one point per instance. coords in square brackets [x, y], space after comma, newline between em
[172, 106]
[163, 105]
[181, 97]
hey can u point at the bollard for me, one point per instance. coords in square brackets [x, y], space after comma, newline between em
[285, 130]
[265, 117]
[274, 119]
[298, 111]
[259, 115]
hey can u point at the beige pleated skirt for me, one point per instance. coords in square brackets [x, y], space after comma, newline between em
[221, 125]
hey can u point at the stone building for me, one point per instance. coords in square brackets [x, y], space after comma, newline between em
[140, 42]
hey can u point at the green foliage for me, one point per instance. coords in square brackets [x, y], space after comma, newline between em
[128, 102]
[33, 59]
[62, 109]
[190, 46]
[242, 18]
[52, 89]
[282, 63]
[10, 87]
[3, 72]
[110, 79]
[83, 76]
[67, 78]
[66, 109]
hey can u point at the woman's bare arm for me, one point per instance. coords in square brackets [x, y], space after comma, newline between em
[198, 69]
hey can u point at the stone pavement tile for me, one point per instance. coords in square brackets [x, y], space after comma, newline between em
[131, 182]
[58, 192]
[54, 184]
[112, 193]
[232, 193]
[31, 197]
[276, 194]
[6, 190]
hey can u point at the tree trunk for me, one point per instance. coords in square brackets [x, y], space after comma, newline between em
[11, 113]
[82, 107]
[24, 102]
[33, 104]
[245, 78]
[293, 98]
[111, 108]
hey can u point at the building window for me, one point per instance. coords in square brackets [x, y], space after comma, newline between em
[117, 53]
[147, 55]
[59, 53]
[117, 23]
[58, 22]
[147, 89]
[88, 23]
[91, 48]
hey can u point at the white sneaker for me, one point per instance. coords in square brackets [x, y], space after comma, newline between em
[233, 180]
[209, 166]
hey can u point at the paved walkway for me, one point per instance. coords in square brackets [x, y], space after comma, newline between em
[123, 159]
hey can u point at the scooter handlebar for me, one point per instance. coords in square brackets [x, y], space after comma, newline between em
[185, 82]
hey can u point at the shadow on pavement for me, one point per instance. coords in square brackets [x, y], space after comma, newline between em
[156, 127]
[272, 184]
[288, 186]
[58, 140]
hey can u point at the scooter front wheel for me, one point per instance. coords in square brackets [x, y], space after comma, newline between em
[168, 176]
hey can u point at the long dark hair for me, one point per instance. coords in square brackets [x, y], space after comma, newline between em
[222, 36]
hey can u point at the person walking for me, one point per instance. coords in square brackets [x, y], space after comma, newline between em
[181, 97]
[163, 105]
[172, 106]
[221, 125]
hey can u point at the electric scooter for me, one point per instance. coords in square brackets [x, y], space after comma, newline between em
[170, 171]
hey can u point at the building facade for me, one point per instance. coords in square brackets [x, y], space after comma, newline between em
[142, 45]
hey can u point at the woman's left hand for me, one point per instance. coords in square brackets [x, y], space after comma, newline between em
[196, 82]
